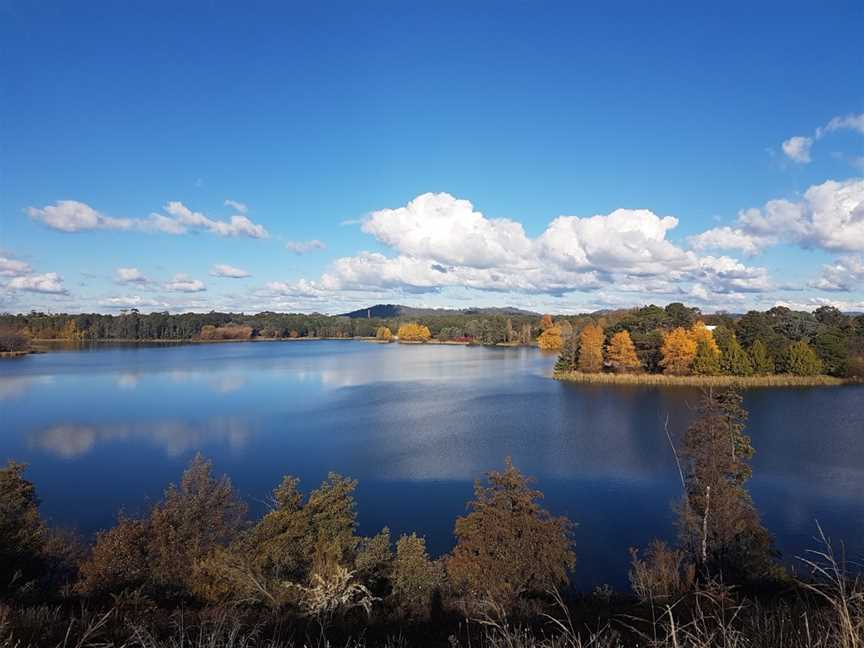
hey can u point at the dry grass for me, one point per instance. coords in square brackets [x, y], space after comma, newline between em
[775, 380]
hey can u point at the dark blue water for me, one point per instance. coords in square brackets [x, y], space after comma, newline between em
[109, 427]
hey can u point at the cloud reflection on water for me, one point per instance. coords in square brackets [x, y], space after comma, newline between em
[175, 438]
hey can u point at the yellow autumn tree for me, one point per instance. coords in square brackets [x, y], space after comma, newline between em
[678, 350]
[699, 332]
[591, 348]
[70, 331]
[622, 353]
[413, 332]
[384, 334]
[551, 339]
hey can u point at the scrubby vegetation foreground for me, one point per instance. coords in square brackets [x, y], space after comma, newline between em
[195, 571]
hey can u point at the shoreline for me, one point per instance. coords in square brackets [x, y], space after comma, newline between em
[372, 339]
[662, 380]
[15, 354]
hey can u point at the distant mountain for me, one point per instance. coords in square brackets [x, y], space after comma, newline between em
[392, 311]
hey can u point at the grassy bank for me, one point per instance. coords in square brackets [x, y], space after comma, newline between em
[662, 380]
[13, 354]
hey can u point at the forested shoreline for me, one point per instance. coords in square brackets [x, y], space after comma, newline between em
[195, 570]
[675, 341]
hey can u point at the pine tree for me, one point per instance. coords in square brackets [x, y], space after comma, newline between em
[763, 363]
[622, 353]
[718, 522]
[735, 360]
[801, 360]
[508, 545]
[568, 359]
[591, 349]
[705, 362]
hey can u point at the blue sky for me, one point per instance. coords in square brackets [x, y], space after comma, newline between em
[575, 157]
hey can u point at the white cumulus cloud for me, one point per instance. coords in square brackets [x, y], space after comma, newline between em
[13, 267]
[237, 225]
[184, 283]
[74, 216]
[239, 206]
[230, 272]
[129, 276]
[729, 238]
[843, 275]
[443, 242]
[302, 247]
[49, 283]
[441, 227]
[830, 216]
[797, 148]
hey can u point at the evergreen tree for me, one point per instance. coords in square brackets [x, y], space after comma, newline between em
[508, 545]
[22, 532]
[801, 360]
[763, 363]
[706, 362]
[832, 349]
[568, 359]
[735, 360]
[718, 522]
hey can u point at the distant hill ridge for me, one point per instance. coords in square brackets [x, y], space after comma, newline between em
[390, 311]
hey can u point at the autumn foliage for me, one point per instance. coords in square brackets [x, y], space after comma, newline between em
[227, 332]
[621, 353]
[413, 332]
[384, 334]
[678, 350]
[591, 348]
[551, 339]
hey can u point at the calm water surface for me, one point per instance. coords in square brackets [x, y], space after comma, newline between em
[109, 427]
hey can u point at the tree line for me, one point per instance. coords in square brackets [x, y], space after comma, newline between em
[678, 340]
[304, 562]
[675, 340]
[136, 326]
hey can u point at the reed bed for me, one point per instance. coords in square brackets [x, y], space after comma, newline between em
[774, 380]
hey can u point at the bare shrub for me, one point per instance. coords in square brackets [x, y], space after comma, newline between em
[663, 573]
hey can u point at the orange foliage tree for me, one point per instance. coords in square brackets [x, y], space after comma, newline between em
[384, 333]
[591, 348]
[622, 353]
[551, 339]
[413, 332]
[678, 350]
[546, 322]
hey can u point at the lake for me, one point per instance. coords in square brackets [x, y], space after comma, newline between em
[109, 427]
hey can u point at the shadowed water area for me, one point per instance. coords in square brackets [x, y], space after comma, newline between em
[108, 427]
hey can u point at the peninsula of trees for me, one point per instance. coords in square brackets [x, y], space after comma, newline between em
[779, 346]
